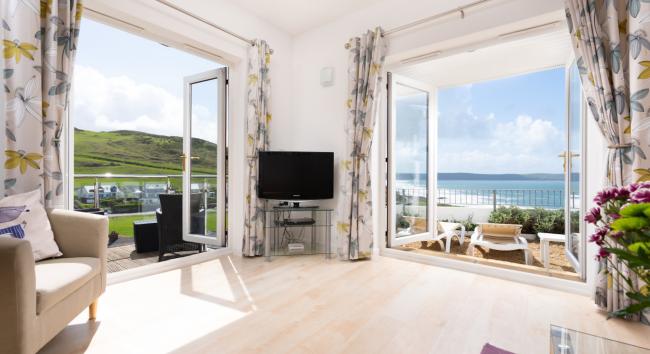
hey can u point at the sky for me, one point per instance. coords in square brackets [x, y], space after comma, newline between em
[123, 81]
[509, 125]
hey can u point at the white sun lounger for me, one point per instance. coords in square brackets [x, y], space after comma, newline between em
[500, 237]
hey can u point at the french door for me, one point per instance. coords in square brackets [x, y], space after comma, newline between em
[411, 182]
[204, 157]
[573, 164]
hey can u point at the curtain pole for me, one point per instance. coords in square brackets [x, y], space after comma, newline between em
[432, 18]
[201, 19]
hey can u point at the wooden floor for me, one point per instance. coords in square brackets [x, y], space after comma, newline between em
[312, 305]
[121, 255]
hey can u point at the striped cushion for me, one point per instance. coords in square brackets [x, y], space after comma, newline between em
[23, 216]
[16, 231]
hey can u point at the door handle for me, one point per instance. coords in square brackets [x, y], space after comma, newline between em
[566, 156]
[183, 157]
[563, 156]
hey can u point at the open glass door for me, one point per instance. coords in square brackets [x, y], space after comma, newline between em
[204, 157]
[411, 171]
[573, 165]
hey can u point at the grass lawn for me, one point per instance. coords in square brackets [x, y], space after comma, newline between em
[123, 225]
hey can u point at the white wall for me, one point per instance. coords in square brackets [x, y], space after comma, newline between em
[478, 214]
[176, 29]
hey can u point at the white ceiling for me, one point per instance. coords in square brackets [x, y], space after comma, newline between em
[298, 16]
[500, 60]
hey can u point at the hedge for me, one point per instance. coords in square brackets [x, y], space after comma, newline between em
[533, 220]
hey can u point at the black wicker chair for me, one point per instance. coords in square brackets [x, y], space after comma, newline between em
[170, 226]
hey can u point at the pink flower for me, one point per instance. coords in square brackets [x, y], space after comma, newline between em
[622, 193]
[602, 253]
[593, 215]
[616, 235]
[641, 195]
[598, 237]
[605, 195]
[634, 186]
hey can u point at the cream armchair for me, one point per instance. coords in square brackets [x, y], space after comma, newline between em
[38, 300]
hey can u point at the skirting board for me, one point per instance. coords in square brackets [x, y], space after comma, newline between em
[155, 268]
[571, 286]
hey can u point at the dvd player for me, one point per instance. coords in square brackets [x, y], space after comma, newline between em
[299, 221]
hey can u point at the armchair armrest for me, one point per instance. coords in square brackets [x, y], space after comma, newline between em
[18, 295]
[79, 234]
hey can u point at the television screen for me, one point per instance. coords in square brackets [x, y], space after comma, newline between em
[295, 175]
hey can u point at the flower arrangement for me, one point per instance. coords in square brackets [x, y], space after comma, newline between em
[622, 220]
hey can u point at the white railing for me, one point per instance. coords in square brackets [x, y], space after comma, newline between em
[131, 193]
[532, 198]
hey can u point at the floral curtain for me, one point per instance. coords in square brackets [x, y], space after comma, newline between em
[610, 39]
[39, 44]
[258, 117]
[354, 210]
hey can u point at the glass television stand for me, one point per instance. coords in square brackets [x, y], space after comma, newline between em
[292, 231]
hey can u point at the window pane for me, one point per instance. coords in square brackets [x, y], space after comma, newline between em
[411, 160]
[204, 157]
[575, 147]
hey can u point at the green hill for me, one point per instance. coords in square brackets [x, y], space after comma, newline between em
[134, 152]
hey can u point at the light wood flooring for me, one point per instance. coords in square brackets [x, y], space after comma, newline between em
[308, 304]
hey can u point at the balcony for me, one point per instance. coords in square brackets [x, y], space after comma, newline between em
[129, 198]
[538, 210]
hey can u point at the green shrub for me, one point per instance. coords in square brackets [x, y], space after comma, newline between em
[402, 223]
[131, 207]
[467, 223]
[533, 220]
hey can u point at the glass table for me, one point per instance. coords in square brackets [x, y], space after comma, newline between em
[568, 341]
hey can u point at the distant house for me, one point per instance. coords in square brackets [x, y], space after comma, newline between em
[149, 198]
[86, 194]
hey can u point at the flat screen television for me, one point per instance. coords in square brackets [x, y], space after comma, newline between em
[295, 175]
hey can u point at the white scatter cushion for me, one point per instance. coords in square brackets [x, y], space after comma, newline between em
[23, 216]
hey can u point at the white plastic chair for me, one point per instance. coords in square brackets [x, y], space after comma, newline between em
[447, 231]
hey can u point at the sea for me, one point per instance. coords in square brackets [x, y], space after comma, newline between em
[518, 192]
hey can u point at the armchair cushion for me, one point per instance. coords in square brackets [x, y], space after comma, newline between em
[23, 216]
[56, 279]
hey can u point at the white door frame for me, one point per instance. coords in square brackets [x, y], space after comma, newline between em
[221, 75]
[579, 264]
[392, 239]
[578, 287]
